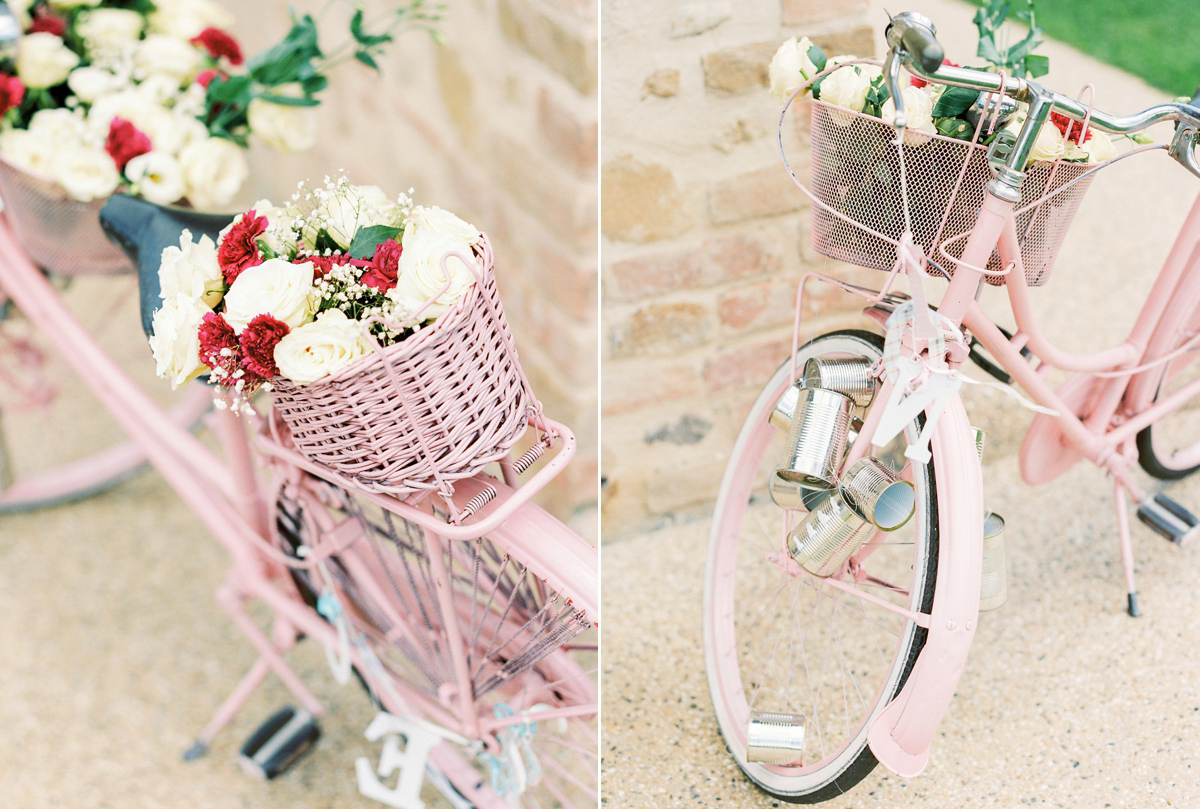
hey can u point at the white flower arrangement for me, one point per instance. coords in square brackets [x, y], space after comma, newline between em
[304, 290]
[164, 78]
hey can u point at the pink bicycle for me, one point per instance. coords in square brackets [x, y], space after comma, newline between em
[470, 621]
[836, 627]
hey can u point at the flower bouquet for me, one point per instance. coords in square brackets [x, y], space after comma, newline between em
[856, 169]
[374, 323]
[154, 99]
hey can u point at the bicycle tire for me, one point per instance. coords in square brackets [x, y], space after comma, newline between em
[55, 443]
[741, 585]
[1169, 449]
[387, 588]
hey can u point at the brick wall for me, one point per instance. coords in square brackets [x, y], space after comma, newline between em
[499, 125]
[702, 237]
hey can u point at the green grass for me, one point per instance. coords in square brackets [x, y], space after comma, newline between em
[1158, 40]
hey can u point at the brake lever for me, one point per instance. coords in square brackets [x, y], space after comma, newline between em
[1183, 146]
[891, 75]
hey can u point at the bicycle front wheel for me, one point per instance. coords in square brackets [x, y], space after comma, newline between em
[467, 635]
[781, 641]
[1169, 449]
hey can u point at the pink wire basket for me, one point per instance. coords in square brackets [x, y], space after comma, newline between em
[418, 415]
[62, 235]
[856, 173]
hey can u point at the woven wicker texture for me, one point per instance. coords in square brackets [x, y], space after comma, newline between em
[856, 172]
[61, 234]
[423, 412]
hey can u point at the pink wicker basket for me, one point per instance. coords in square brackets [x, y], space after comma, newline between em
[61, 234]
[856, 172]
[424, 412]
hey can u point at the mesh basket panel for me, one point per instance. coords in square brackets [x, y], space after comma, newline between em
[61, 234]
[856, 171]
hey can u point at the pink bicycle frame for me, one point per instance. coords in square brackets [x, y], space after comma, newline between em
[227, 497]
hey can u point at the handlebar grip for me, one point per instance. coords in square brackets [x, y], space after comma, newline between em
[922, 44]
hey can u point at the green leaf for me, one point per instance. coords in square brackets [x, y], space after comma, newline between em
[817, 57]
[954, 128]
[325, 242]
[289, 101]
[1037, 65]
[361, 36]
[368, 238]
[954, 102]
[366, 59]
[289, 60]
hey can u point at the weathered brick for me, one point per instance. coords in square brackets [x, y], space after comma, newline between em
[455, 85]
[691, 19]
[629, 385]
[734, 71]
[677, 485]
[758, 306]
[737, 132]
[569, 138]
[563, 204]
[569, 50]
[858, 41]
[641, 202]
[660, 330]
[662, 83]
[749, 365]
[797, 12]
[765, 192]
[717, 260]
[573, 282]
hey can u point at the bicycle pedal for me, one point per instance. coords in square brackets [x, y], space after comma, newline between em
[1169, 519]
[279, 742]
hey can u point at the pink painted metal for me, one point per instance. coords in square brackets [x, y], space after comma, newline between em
[237, 505]
[424, 412]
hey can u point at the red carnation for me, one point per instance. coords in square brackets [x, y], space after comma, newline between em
[239, 249]
[1078, 135]
[919, 82]
[125, 142]
[215, 337]
[205, 77]
[382, 271]
[218, 44]
[258, 340]
[45, 21]
[12, 93]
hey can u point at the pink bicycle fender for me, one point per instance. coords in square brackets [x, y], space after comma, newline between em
[901, 735]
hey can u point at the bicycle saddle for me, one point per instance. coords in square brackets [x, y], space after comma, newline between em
[142, 229]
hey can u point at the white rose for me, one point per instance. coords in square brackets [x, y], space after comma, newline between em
[791, 67]
[166, 55]
[421, 276]
[433, 219]
[214, 170]
[846, 87]
[283, 127]
[158, 89]
[157, 177]
[60, 125]
[27, 150]
[43, 60]
[347, 208]
[276, 287]
[1100, 148]
[90, 83]
[73, 3]
[918, 115]
[184, 19]
[191, 269]
[108, 28]
[175, 340]
[86, 172]
[21, 9]
[322, 347]
[1050, 144]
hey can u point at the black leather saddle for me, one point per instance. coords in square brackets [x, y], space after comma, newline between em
[142, 229]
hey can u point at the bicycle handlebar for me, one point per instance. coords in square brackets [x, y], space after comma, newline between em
[911, 37]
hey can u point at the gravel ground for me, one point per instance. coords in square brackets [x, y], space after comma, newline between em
[1066, 701]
